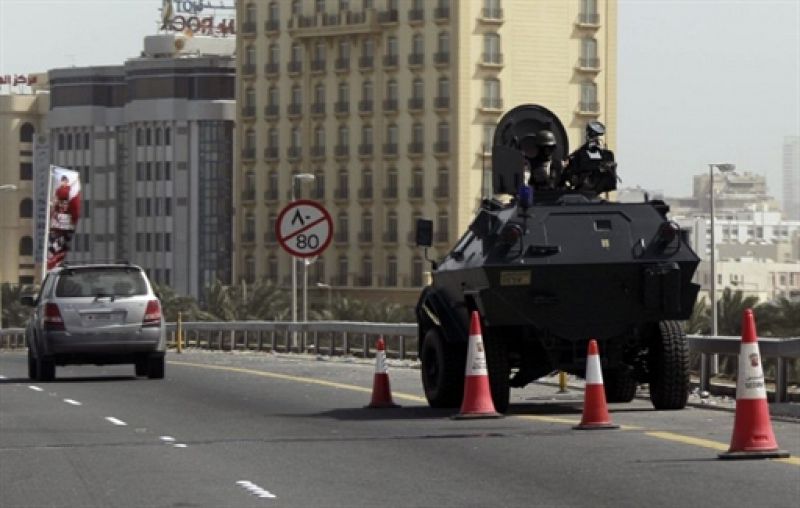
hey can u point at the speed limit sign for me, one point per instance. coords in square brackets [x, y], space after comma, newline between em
[304, 228]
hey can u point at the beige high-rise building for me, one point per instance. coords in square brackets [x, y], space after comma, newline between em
[391, 105]
[23, 111]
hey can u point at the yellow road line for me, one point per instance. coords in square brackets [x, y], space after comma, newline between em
[287, 377]
[669, 436]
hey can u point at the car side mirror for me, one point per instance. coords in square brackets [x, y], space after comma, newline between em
[29, 300]
[424, 233]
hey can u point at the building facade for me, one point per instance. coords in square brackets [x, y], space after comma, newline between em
[391, 105]
[153, 140]
[22, 119]
[791, 177]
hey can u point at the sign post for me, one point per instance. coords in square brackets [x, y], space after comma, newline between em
[304, 229]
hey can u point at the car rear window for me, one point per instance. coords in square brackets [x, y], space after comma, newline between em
[117, 282]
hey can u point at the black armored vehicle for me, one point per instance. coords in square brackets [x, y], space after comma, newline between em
[549, 269]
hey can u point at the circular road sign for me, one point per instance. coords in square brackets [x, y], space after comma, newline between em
[304, 228]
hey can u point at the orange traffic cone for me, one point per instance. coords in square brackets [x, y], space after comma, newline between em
[595, 410]
[477, 402]
[752, 429]
[381, 390]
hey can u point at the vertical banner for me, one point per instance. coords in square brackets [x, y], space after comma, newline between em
[65, 209]
[41, 179]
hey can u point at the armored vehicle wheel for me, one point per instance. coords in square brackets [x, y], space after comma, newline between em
[619, 385]
[442, 369]
[668, 364]
[499, 371]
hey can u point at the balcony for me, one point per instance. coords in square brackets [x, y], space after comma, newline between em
[491, 104]
[248, 70]
[318, 152]
[248, 195]
[390, 61]
[271, 194]
[390, 105]
[416, 148]
[248, 29]
[294, 110]
[390, 236]
[588, 108]
[415, 104]
[491, 60]
[390, 192]
[342, 65]
[363, 280]
[390, 149]
[342, 151]
[589, 20]
[318, 66]
[344, 23]
[415, 60]
[365, 194]
[365, 237]
[441, 103]
[441, 15]
[293, 153]
[366, 63]
[365, 149]
[441, 58]
[248, 154]
[272, 26]
[388, 17]
[491, 15]
[271, 111]
[416, 16]
[365, 107]
[271, 153]
[318, 109]
[588, 64]
[342, 194]
[441, 148]
[342, 107]
[294, 68]
[416, 192]
[248, 112]
[272, 69]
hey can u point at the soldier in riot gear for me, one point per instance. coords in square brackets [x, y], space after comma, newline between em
[591, 167]
[545, 171]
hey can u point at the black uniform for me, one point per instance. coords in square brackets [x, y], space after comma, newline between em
[591, 167]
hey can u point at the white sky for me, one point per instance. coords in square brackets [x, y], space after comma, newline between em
[700, 81]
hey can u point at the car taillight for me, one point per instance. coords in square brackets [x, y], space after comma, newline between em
[52, 318]
[152, 314]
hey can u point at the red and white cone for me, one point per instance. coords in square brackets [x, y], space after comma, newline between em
[381, 389]
[595, 409]
[752, 429]
[477, 402]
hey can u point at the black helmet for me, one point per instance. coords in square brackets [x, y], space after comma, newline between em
[595, 129]
[545, 138]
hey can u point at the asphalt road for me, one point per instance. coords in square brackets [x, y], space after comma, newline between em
[230, 430]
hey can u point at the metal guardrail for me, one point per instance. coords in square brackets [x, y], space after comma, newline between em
[357, 338]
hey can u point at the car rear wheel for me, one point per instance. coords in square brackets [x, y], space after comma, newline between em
[442, 370]
[155, 367]
[32, 373]
[45, 369]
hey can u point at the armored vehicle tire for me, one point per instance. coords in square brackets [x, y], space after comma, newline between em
[499, 371]
[442, 369]
[32, 374]
[619, 385]
[668, 363]
[45, 369]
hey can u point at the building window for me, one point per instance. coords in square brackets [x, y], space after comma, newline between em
[418, 45]
[491, 48]
[250, 55]
[272, 138]
[61, 144]
[167, 136]
[366, 184]
[491, 93]
[442, 227]
[274, 12]
[319, 6]
[249, 141]
[366, 227]
[443, 43]
[26, 133]
[250, 13]
[368, 49]
[25, 171]
[342, 222]
[589, 97]
[391, 46]
[416, 271]
[296, 8]
[343, 271]
[391, 271]
[26, 208]
[26, 246]
[366, 271]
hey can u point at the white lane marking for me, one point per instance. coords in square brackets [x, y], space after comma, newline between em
[179, 445]
[73, 402]
[115, 421]
[35, 388]
[255, 489]
[167, 439]
[3, 377]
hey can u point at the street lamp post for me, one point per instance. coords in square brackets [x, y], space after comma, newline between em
[706, 369]
[303, 177]
[4, 187]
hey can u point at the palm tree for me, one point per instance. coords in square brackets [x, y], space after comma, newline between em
[730, 309]
[699, 322]
[172, 304]
[261, 300]
[779, 318]
[14, 314]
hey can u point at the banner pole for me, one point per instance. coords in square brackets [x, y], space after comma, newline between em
[47, 221]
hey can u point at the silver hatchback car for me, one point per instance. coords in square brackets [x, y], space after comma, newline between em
[95, 314]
